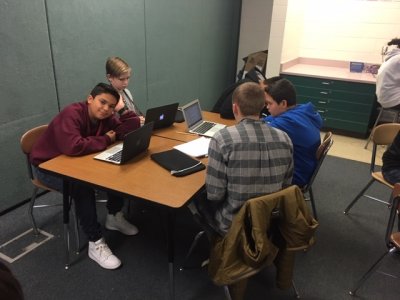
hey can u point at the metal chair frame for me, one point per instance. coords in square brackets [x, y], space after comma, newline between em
[322, 151]
[383, 135]
[275, 215]
[396, 119]
[392, 240]
[27, 141]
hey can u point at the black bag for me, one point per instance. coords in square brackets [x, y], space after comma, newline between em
[223, 106]
[177, 162]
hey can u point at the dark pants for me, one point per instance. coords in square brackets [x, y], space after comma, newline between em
[203, 213]
[85, 203]
[392, 175]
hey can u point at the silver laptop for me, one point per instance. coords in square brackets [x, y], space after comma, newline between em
[135, 142]
[195, 122]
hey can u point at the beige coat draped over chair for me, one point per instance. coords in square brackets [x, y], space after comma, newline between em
[250, 243]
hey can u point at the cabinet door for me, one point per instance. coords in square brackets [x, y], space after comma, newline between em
[343, 105]
[335, 104]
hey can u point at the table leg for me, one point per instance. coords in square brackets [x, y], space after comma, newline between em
[170, 249]
[66, 220]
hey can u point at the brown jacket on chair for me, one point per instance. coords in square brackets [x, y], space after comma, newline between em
[247, 247]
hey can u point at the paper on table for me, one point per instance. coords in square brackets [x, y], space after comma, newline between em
[195, 148]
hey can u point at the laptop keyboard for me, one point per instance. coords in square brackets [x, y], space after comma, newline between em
[116, 156]
[203, 128]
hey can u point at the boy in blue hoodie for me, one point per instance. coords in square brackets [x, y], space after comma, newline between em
[301, 122]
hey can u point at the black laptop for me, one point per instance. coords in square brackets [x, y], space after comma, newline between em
[162, 116]
[135, 142]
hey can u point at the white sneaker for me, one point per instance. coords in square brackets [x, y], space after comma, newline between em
[118, 222]
[100, 253]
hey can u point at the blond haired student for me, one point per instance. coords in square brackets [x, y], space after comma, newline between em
[118, 74]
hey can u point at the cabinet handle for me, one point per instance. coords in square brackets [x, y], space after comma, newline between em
[321, 111]
[322, 102]
[324, 93]
[326, 82]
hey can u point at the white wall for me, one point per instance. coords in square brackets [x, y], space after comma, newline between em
[275, 48]
[293, 30]
[286, 33]
[349, 30]
[254, 28]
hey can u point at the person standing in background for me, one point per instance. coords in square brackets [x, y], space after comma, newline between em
[388, 78]
[118, 74]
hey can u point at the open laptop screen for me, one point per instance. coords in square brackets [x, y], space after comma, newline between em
[193, 114]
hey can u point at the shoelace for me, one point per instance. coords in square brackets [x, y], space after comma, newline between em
[122, 221]
[104, 250]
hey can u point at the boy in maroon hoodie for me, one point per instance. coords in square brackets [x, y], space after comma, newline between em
[82, 128]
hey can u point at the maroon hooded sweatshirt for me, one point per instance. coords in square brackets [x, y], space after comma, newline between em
[72, 133]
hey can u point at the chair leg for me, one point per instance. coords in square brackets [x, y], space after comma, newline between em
[373, 127]
[296, 292]
[398, 220]
[192, 246]
[313, 203]
[358, 196]
[369, 272]
[236, 290]
[229, 297]
[66, 212]
[30, 211]
[76, 228]
[66, 241]
[227, 293]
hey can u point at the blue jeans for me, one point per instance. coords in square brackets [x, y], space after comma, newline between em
[85, 202]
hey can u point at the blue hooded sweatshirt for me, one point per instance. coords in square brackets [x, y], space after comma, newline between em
[302, 124]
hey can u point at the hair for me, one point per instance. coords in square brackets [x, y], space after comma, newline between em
[272, 79]
[104, 88]
[116, 66]
[250, 98]
[10, 288]
[281, 89]
[395, 41]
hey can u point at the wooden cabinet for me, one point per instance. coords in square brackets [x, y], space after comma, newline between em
[345, 107]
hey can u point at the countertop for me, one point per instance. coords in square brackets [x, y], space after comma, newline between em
[329, 69]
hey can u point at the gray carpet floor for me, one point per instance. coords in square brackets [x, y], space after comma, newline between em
[345, 248]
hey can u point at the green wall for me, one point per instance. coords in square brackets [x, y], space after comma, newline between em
[53, 52]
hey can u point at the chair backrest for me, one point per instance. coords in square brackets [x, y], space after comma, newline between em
[246, 248]
[27, 141]
[382, 135]
[321, 153]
